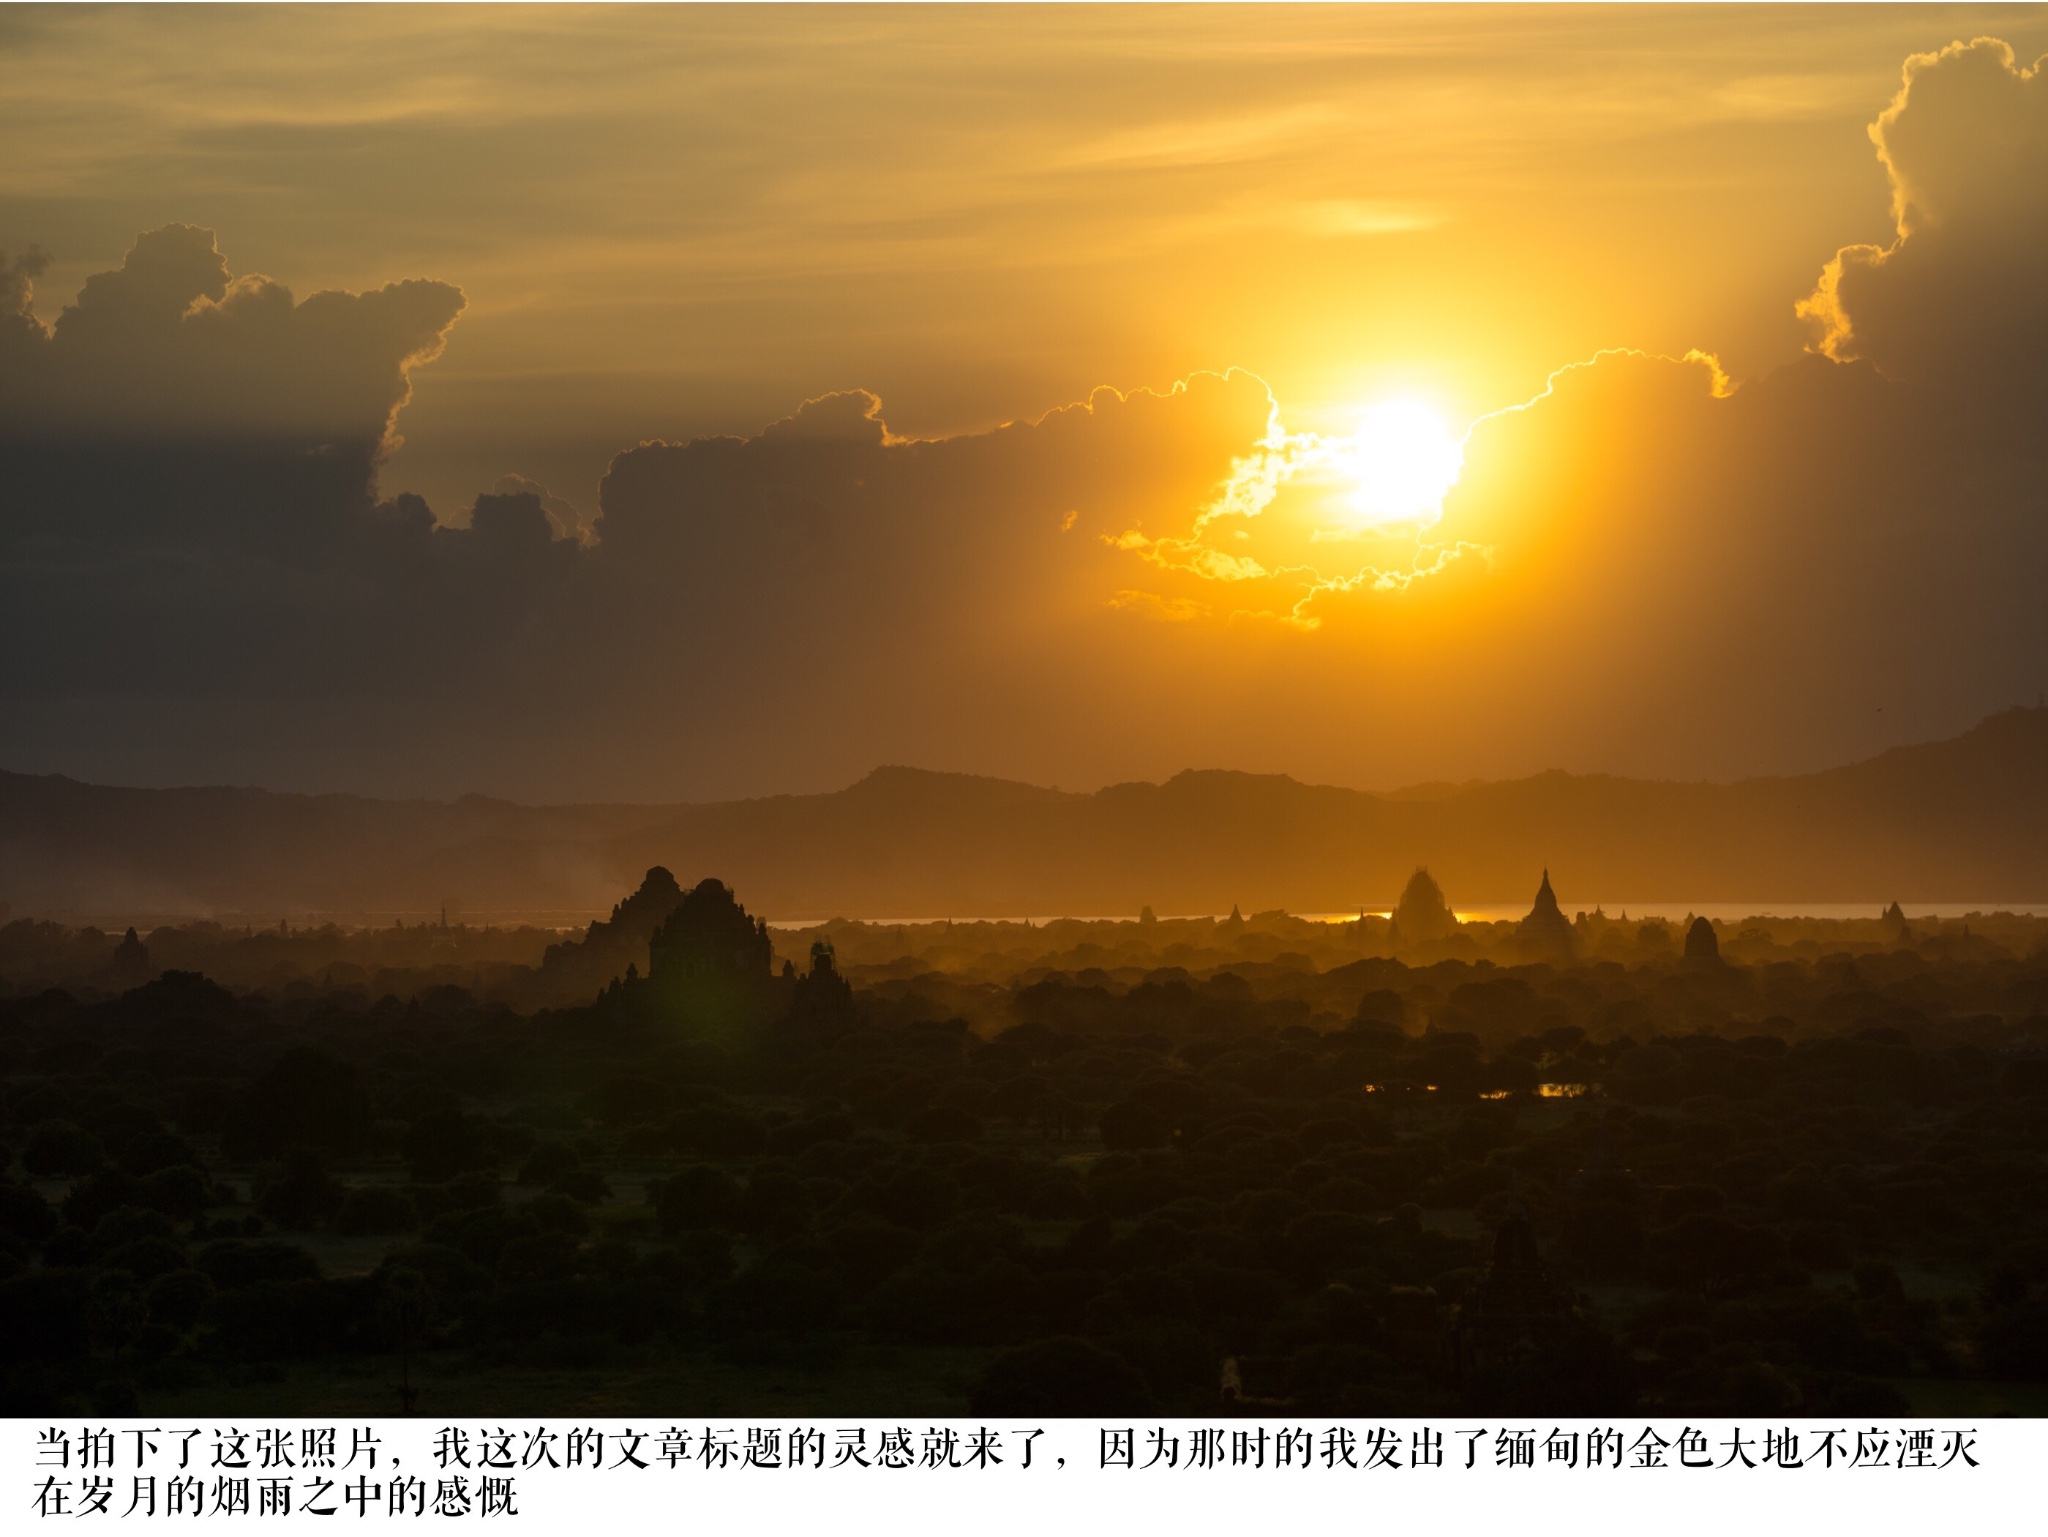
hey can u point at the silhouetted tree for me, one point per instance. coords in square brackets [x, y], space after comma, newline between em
[306, 1098]
[1062, 1376]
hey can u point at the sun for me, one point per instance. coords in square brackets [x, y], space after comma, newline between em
[1400, 462]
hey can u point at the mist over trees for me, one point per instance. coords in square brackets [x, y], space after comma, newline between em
[1782, 1166]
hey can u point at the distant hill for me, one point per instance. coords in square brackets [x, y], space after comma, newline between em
[1960, 820]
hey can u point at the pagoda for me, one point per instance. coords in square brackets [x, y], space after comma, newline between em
[1546, 934]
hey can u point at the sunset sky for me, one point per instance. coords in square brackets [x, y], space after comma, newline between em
[1374, 395]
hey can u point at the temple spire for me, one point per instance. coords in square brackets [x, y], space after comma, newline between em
[1546, 934]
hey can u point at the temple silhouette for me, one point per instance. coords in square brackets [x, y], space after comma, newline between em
[823, 999]
[1423, 914]
[1546, 934]
[710, 965]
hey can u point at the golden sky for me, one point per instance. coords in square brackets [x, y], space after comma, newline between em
[677, 223]
[673, 221]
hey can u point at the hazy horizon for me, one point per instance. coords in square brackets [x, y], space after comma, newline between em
[1959, 823]
[1405, 790]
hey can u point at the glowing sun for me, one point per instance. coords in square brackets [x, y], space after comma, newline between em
[1400, 463]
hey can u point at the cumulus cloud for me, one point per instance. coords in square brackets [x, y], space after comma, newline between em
[1959, 297]
[566, 518]
[830, 570]
[843, 416]
[188, 492]
[18, 276]
[1648, 568]
[172, 344]
[1645, 568]
[196, 557]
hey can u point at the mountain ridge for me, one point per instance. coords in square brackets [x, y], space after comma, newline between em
[1961, 819]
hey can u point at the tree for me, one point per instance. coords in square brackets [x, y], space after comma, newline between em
[444, 1143]
[306, 1098]
[699, 1197]
[1060, 1376]
[302, 1194]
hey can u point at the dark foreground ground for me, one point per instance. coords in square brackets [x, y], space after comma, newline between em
[1798, 1179]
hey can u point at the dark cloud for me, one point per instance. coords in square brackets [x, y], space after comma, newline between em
[202, 576]
[1959, 297]
[1645, 569]
[172, 345]
[188, 497]
[1650, 570]
[17, 290]
[563, 515]
[1814, 566]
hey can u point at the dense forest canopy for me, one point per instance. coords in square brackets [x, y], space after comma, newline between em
[1776, 1166]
